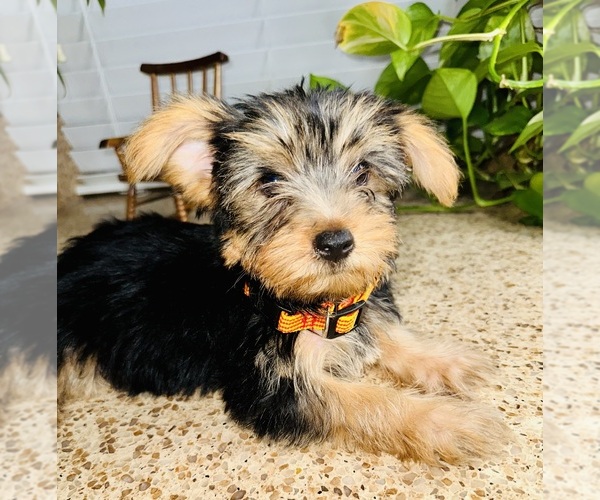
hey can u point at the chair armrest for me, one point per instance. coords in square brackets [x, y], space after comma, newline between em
[112, 142]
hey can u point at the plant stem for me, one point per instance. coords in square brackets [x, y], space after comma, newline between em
[577, 60]
[522, 29]
[502, 80]
[448, 19]
[507, 83]
[466, 37]
[553, 83]
[515, 71]
[556, 3]
[471, 171]
[551, 25]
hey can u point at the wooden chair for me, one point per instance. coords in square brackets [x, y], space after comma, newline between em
[208, 70]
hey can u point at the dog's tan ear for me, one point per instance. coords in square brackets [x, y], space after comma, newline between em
[174, 144]
[433, 164]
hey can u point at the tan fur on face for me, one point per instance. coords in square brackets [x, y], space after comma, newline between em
[232, 248]
[434, 167]
[316, 160]
[289, 266]
[152, 151]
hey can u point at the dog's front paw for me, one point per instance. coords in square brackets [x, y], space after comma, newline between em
[407, 423]
[457, 432]
[434, 366]
[449, 368]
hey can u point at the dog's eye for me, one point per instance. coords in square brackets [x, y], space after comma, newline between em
[268, 181]
[361, 173]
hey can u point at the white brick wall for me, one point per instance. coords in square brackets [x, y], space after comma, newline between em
[28, 103]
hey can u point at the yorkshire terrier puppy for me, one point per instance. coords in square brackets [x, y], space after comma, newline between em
[285, 299]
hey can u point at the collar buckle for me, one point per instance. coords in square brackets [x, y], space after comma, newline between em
[332, 318]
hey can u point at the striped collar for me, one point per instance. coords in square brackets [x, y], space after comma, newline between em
[331, 321]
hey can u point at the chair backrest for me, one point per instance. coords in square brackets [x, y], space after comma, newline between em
[175, 72]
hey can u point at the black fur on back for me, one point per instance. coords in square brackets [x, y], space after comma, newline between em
[152, 303]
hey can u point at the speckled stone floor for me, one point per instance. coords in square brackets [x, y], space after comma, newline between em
[474, 277]
[572, 361]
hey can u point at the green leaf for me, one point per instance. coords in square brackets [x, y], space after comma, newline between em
[424, 26]
[569, 51]
[533, 128]
[518, 51]
[373, 28]
[532, 220]
[410, 90]
[506, 55]
[450, 93]
[592, 183]
[479, 5]
[537, 183]
[479, 116]
[316, 81]
[468, 22]
[424, 23]
[388, 83]
[554, 180]
[485, 48]
[529, 201]
[564, 120]
[513, 36]
[588, 127]
[464, 56]
[583, 201]
[509, 179]
[402, 61]
[511, 122]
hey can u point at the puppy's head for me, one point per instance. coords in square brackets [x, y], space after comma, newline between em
[301, 184]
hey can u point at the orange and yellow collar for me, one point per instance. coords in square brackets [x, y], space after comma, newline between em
[337, 318]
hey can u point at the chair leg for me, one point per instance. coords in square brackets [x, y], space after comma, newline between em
[180, 207]
[131, 202]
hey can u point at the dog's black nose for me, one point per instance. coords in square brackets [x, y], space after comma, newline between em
[334, 245]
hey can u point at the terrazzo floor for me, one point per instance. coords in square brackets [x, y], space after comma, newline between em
[572, 361]
[474, 277]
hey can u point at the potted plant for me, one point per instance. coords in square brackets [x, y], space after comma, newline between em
[479, 73]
